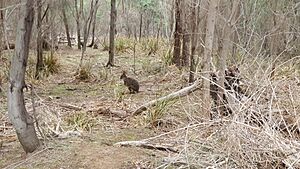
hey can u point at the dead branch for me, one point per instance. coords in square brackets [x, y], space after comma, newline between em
[69, 106]
[180, 93]
[146, 145]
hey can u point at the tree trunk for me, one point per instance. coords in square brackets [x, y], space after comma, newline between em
[177, 35]
[39, 42]
[86, 29]
[94, 28]
[21, 120]
[113, 15]
[78, 25]
[186, 35]
[1, 29]
[194, 27]
[209, 39]
[141, 26]
[274, 38]
[226, 43]
[65, 20]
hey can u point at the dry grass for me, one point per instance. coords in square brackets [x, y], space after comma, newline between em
[262, 132]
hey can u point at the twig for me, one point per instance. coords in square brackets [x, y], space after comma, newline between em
[34, 110]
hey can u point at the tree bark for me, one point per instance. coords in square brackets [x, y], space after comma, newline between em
[65, 20]
[226, 43]
[194, 27]
[21, 120]
[209, 39]
[113, 15]
[39, 42]
[141, 26]
[273, 39]
[1, 29]
[186, 35]
[78, 25]
[177, 35]
[94, 28]
[86, 29]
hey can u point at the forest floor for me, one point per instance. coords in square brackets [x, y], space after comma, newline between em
[95, 98]
[98, 107]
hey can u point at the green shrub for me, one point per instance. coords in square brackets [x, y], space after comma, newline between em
[151, 46]
[156, 114]
[122, 45]
[51, 65]
[119, 91]
[81, 120]
[84, 73]
[167, 57]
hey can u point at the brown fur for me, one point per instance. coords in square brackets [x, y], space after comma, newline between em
[132, 84]
[231, 83]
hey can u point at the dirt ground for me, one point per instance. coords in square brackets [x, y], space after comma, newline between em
[103, 91]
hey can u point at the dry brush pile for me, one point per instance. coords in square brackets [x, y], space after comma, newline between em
[262, 132]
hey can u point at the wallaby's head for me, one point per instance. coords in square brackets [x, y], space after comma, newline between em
[232, 71]
[123, 76]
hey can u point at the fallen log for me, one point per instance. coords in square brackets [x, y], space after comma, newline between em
[180, 93]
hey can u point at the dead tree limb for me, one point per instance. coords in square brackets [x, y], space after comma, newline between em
[180, 93]
[146, 145]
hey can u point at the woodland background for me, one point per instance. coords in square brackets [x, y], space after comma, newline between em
[62, 98]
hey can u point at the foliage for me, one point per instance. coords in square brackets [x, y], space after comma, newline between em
[155, 115]
[150, 46]
[119, 91]
[122, 45]
[51, 65]
[84, 73]
[103, 73]
[167, 57]
[81, 121]
[151, 7]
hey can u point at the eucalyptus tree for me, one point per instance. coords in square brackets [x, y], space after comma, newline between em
[112, 32]
[209, 39]
[18, 115]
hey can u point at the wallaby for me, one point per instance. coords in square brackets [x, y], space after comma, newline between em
[232, 83]
[132, 84]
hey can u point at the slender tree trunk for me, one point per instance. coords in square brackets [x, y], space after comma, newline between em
[86, 29]
[94, 28]
[194, 27]
[1, 29]
[6, 44]
[141, 26]
[78, 25]
[273, 39]
[65, 20]
[113, 15]
[186, 35]
[39, 43]
[177, 35]
[158, 31]
[21, 120]
[94, 25]
[226, 43]
[172, 21]
[209, 39]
